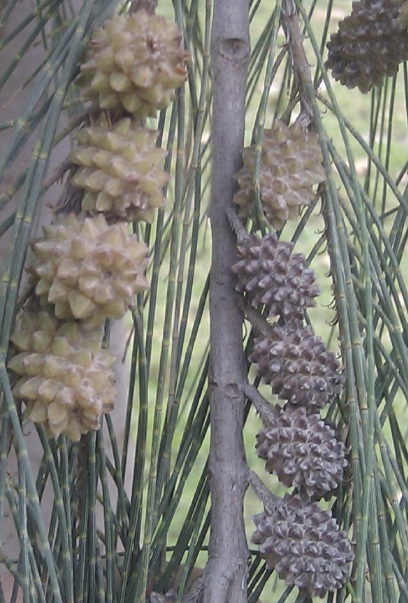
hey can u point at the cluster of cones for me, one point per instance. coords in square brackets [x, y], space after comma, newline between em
[296, 537]
[88, 267]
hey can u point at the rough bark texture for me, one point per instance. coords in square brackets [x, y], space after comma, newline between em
[227, 564]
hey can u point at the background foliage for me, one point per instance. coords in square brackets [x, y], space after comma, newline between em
[355, 239]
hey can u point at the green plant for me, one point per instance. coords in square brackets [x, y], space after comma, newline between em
[129, 504]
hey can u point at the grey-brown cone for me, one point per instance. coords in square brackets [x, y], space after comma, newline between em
[271, 275]
[304, 545]
[291, 166]
[297, 365]
[302, 450]
[369, 44]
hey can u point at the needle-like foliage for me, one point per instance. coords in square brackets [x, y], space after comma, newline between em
[120, 513]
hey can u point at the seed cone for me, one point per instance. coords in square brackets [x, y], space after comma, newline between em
[291, 164]
[302, 450]
[134, 63]
[297, 365]
[87, 269]
[120, 170]
[304, 544]
[65, 376]
[369, 45]
[271, 275]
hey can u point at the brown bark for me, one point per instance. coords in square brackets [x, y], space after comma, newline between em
[227, 564]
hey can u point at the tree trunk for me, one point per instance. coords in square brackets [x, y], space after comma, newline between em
[227, 564]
